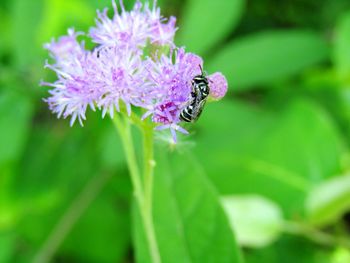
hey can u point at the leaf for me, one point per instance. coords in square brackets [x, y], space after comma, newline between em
[329, 200]
[279, 155]
[341, 255]
[111, 151]
[104, 231]
[7, 244]
[268, 56]
[15, 117]
[341, 54]
[190, 224]
[289, 249]
[256, 220]
[206, 22]
[4, 32]
[60, 15]
[26, 17]
[58, 161]
[42, 20]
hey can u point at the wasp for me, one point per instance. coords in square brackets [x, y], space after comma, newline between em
[199, 94]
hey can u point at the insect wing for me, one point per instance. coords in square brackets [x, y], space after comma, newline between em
[198, 110]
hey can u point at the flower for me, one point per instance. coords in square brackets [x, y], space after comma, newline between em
[74, 90]
[99, 78]
[65, 48]
[171, 79]
[218, 85]
[131, 64]
[133, 29]
[119, 76]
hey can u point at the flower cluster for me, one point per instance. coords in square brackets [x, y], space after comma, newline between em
[135, 62]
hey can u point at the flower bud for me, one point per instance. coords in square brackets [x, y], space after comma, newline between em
[218, 85]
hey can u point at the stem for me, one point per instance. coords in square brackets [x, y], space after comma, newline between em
[123, 126]
[148, 186]
[143, 192]
[148, 166]
[70, 217]
[315, 235]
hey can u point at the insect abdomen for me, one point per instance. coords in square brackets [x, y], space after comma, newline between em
[186, 114]
[200, 92]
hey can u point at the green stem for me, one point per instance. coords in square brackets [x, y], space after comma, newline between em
[123, 127]
[314, 234]
[148, 186]
[149, 164]
[70, 217]
[143, 192]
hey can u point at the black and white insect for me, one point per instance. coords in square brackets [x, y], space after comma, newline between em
[199, 94]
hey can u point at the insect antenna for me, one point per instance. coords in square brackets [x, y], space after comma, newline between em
[204, 73]
[200, 67]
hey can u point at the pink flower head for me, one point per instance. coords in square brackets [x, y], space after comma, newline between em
[171, 78]
[218, 85]
[75, 88]
[119, 70]
[65, 47]
[120, 78]
[134, 28]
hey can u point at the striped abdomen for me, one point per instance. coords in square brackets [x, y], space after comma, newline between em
[200, 92]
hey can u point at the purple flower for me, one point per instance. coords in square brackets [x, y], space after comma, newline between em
[74, 90]
[120, 77]
[171, 79]
[120, 70]
[65, 48]
[101, 78]
[218, 85]
[133, 29]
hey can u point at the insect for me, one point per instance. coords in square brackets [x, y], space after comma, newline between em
[199, 94]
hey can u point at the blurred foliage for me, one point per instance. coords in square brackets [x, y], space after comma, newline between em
[276, 148]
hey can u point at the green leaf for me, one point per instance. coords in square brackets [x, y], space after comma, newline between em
[4, 32]
[256, 220]
[206, 22]
[190, 224]
[39, 21]
[58, 161]
[279, 155]
[7, 244]
[329, 200]
[268, 56]
[341, 255]
[15, 117]
[341, 54]
[59, 15]
[289, 249]
[26, 17]
[111, 150]
[104, 231]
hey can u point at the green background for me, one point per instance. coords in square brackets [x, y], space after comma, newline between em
[277, 144]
